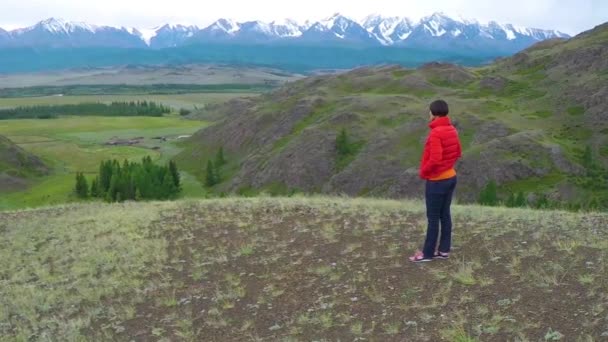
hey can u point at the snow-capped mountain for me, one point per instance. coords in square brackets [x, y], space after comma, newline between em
[225, 30]
[59, 33]
[168, 35]
[435, 31]
[388, 30]
[439, 31]
[338, 28]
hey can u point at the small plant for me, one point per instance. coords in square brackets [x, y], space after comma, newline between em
[357, 328]
[586, 279]
[464, 274]
[457, 334]
[553, 335]
[392, 328]
[246, 250]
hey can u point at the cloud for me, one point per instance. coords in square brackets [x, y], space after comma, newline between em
[571, 16]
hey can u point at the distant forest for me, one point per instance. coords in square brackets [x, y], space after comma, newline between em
[133, 108]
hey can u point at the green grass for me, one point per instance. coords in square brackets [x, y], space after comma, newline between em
[175, 101]
[253, 269]
[576, 110]
[302, 124]
[533, 184]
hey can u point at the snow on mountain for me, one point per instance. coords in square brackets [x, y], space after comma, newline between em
[168, 35]
[385, 29]
[341, 28]
[225, 25]
[56, 26]
[148, 34]
[371, 30]
[286, 28]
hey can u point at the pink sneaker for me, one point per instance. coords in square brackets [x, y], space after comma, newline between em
[419, 257]
[441, 255]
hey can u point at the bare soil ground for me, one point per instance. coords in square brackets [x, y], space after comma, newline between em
[317, 269]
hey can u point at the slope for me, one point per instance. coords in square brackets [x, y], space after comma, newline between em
[16, 165]
[525, 123]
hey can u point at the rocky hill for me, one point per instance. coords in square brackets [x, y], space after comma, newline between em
[536, 122]
[16, 165]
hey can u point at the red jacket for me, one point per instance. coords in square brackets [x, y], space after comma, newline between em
[441, 150]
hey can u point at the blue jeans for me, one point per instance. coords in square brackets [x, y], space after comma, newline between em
[438, 196]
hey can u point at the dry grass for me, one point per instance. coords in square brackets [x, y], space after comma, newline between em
[303, 268]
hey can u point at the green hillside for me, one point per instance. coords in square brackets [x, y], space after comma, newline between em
[535, 123]
[17, 165]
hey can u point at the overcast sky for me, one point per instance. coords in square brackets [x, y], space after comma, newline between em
[570, 16]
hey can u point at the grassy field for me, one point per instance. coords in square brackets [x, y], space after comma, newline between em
[182, 75]
[298, 269]
[74, 144]
[175, 101]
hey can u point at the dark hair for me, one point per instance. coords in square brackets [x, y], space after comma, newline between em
[440, 108]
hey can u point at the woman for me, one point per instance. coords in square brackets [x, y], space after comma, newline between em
[441, 151]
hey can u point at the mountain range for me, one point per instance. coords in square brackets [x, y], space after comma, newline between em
[436, 31]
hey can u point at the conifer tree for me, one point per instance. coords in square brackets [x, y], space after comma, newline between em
[343, 145]
[488, 195]
[82, 188]
[220, 160]
[520, 201]
[211, 175]
[175, 174]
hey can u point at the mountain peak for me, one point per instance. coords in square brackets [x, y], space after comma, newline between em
[61, 26]
[227, 25]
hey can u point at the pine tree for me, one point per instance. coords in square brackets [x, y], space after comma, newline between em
[220, 160]
[542, 202]
[511, 201]
[343, 145]
[211, 176]
[588, 158]
[169, 190]
[111, 194]
[174, 174]
[95, 187]
[82, 188]
[488, 195]
[521, 201]
[105, 175]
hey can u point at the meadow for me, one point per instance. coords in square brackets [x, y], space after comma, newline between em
[176, 101]
[298, 269]
[78, 144]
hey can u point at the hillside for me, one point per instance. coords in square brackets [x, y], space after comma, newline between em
[298, 270]
[525, 123]
[16, 165]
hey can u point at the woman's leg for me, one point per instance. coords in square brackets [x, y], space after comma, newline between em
[434, 202]
[445, 243]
